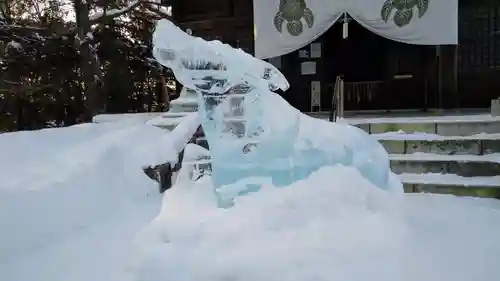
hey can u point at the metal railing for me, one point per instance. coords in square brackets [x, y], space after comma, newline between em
[365, 91]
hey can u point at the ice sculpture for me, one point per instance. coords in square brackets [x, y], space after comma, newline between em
[253, 133]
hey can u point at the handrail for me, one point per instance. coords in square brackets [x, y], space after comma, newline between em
[337, 100]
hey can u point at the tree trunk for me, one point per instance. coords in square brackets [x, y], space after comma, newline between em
[90, 65]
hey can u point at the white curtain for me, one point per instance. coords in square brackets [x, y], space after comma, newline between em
[419, 22]
[269, 42]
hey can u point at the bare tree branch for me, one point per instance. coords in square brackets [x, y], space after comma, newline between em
[113, 13]
[37, 8]
[158, 12]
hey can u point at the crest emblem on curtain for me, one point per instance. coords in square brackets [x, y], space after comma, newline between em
[292, 12]
[404, 10]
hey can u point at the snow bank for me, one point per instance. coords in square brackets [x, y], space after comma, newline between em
[333, 226]
[72, 200]
[71, 197]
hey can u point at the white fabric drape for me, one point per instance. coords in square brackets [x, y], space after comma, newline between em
[437, 25]
[419, 22]
[269, 42]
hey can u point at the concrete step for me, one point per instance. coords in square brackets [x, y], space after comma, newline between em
[402, 143]
[462, 165]
[452, 184]
[463, 125]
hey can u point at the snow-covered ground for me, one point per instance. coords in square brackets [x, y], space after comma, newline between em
[333, 226]
[75, 205]
[72, 200]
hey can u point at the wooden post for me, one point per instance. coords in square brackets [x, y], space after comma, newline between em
[439, 77]
[448, 90]
[455, 76]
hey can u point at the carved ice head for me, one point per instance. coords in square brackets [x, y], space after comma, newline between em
[211, 67]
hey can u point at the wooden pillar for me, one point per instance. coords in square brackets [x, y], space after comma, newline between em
[442, 78]
[430, 76]
[447, 77]
[439, 77]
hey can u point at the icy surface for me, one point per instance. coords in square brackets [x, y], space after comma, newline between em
[186, 102]
[252, 131]
[183, 132]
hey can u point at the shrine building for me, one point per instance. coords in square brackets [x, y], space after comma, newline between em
[393, 54]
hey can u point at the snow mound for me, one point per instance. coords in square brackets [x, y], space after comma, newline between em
[75, 205]
[335, 225]
[71, 197]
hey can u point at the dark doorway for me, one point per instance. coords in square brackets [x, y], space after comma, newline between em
[380, 74]
[359, 57]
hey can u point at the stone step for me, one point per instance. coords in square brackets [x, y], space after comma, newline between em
[401, 143]
[167, 121]
[452, 184]
[463, 125]
[462, 165]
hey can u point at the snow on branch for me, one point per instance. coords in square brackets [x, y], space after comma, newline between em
[20, 27]
[89, 37]
[14, 45]
[154, 6]
[164, 12]
[114, 12]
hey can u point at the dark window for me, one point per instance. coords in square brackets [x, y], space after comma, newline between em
[479, 35]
